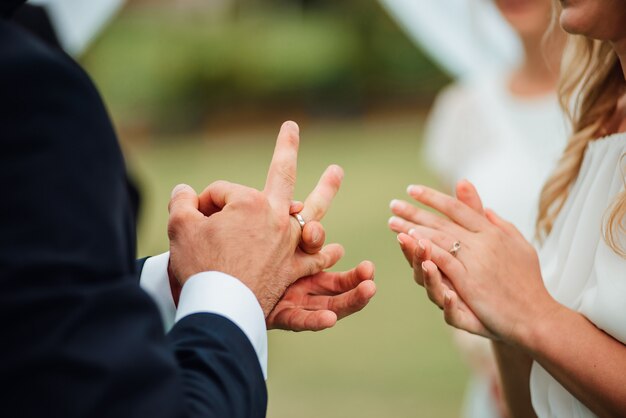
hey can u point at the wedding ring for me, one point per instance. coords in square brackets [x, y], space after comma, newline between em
[300, 219]
[455, 248]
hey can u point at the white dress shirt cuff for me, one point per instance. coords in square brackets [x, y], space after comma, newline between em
[155, 281]
[224, 295]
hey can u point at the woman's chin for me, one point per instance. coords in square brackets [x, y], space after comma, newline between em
[571, 23]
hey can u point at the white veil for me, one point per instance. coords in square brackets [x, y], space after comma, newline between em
[465, 37]
[77, 22]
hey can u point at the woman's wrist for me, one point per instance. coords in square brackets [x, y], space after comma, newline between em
[539, 326]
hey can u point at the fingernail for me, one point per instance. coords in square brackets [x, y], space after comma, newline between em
[412, 232]
[447, 297]
[424, 267]
[400, 241]
[316, 237]
[338, 171]
[394, 204]
[420, 244]
[414, 190]
[393, 220]
[178, 188]
[291, 124]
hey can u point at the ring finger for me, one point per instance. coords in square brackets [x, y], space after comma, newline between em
[441, 239]
[319, 200]
[315, 207]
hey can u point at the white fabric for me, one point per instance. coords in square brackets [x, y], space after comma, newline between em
[580, 270]
[465, 37]
[505, 145]
[221, 294]
[77, 22]
[478, 401]
[155, 281]
[208, 292]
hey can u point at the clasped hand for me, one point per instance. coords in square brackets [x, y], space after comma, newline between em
[251, 235]
[493, 285]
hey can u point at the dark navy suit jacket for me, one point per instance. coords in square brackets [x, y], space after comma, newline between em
[78, 337]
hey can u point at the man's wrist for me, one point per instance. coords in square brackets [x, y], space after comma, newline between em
[224, 295]
[175, 286]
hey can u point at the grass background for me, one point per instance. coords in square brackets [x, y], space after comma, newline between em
[393, 359]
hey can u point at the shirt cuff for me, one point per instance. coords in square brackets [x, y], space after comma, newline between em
[224, 295]
[155, 281]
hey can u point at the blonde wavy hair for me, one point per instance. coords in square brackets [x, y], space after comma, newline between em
[591, 84]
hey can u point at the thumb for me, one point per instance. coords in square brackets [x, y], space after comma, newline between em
[184, 198]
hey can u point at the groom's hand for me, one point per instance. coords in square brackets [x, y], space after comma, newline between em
[244, 232]
[315, 208]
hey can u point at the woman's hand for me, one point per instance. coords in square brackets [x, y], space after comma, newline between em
[496, 271]
[317, 302]
[417, 251]
[407, 218]
[439, 288]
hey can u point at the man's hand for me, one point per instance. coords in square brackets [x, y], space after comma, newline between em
[244, 232]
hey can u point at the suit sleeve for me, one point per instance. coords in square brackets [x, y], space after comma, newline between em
[208, 292]
[80, 337]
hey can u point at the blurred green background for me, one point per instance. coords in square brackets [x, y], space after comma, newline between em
[198, 90]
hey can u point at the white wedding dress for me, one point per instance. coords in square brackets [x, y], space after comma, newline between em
[506, 145]
[579, 268]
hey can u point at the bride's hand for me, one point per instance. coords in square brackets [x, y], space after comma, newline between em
[496, 271]
[317, 302]
[439, 288]
[407, 218]
[417, 251]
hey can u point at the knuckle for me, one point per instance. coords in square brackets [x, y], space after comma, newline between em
[430, 296]
[453, 205]
[411, 212]
[216, 184]
[258, 198]
[253, 198]
[445, 261]
[438, 222]
[310, 269]
[315, 212]
[442, 239]
[315, 264]
[177, 219]
[177, 222]
[284, 222]
[287, 174]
